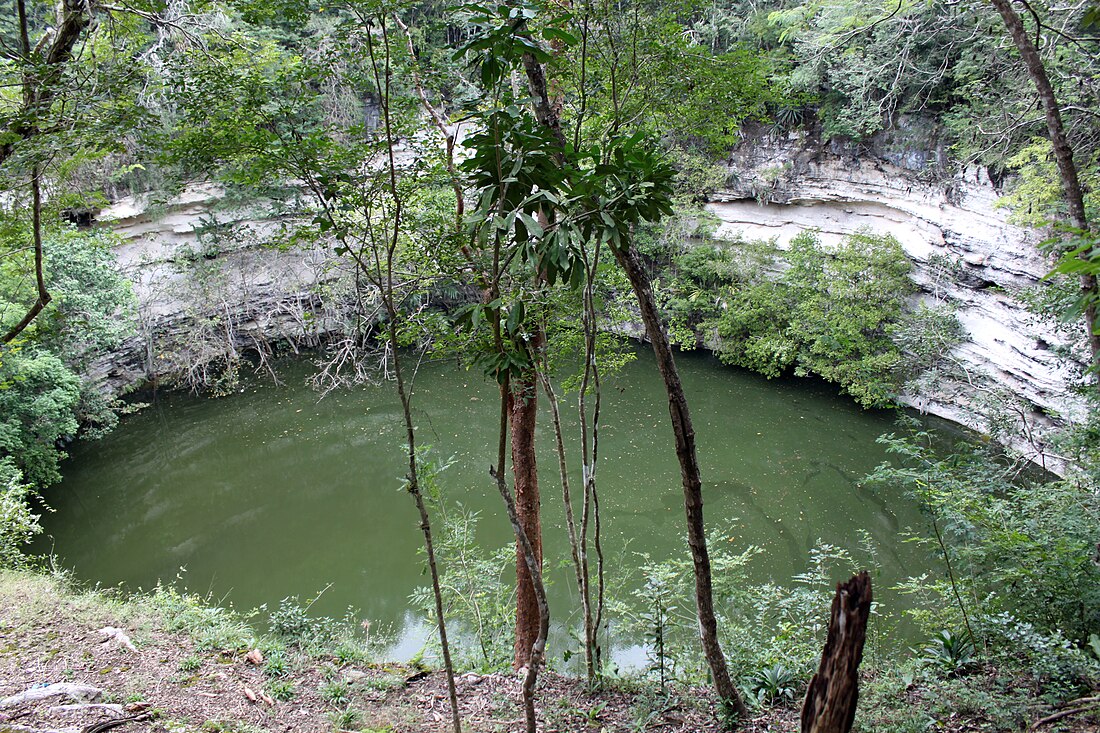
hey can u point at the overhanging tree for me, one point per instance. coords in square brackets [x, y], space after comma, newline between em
[1082, 258]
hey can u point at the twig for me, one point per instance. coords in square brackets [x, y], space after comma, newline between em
[1063, 714]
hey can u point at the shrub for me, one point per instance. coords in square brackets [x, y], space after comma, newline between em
[39, 396]
[1016, 545]
[476, 590]
[839, 312]
[18, 525]
[950, 653]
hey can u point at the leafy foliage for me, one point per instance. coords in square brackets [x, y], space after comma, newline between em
[18, 525]
[844, 301]
[950, 653]
[39, 397]
[764, 626]
[476, 591]
[774, 684]
[833, 312]
[1022, 549]
[42, 396]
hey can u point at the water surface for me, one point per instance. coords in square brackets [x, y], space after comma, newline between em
[272, 492]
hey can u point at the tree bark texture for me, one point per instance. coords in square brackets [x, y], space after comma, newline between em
[534, 567]
[522, 414]
[1063, 153]
[689, 471]
[830, 705]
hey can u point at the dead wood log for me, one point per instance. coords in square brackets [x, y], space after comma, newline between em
[830, 705]
[106, 725]
[1064, 714]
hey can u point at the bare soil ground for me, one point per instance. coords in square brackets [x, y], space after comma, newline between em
[172, 684]
[176, 681]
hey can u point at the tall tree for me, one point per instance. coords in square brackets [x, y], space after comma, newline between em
[257, 118]
[41, 67]
[1067, 168]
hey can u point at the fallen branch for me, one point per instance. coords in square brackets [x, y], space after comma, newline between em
[107, 725]
[59, 689]
[1063, 714]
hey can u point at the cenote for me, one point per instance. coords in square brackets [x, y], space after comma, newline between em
[274, 492]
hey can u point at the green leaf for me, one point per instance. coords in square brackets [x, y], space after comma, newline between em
[557, 34]
[515, 317]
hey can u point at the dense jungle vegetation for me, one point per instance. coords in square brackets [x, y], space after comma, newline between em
[508, 185]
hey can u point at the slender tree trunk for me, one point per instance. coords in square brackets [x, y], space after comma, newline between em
[413, 486]
[534, 567]
[830, 705]
[571, 524]
[689, 471]
[43, 296]
[385, 282]
[1063, 155]
[590, 448]
[53, 49]
[523, 413]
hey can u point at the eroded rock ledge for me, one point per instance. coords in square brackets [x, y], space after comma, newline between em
[209, 286]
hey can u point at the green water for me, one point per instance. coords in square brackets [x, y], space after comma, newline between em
[273, 492]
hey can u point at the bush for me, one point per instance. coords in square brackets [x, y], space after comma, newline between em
[477, 593]
[845, 300]
[763, 626]
[42, 398]
[838, 312]
[39, 396]
[1022, 546]
[18, 525]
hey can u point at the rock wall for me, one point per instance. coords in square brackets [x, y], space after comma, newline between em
[782, 187]
[206, 292]
[210, 286]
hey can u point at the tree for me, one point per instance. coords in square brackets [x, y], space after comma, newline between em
[1067, 173]
[40, 67]
[552, 201]
[258, 115]
[684, 434]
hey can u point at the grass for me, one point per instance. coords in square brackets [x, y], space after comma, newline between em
[190, 664]
[336, 692]
[384, 683]
[346, 719]
[281, 690]
[276, 663]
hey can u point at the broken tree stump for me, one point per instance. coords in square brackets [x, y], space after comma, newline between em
[830, 705]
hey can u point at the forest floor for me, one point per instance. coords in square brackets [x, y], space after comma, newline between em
[87, 662]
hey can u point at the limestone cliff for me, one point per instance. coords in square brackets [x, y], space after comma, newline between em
[210, 286]
[780, 187]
